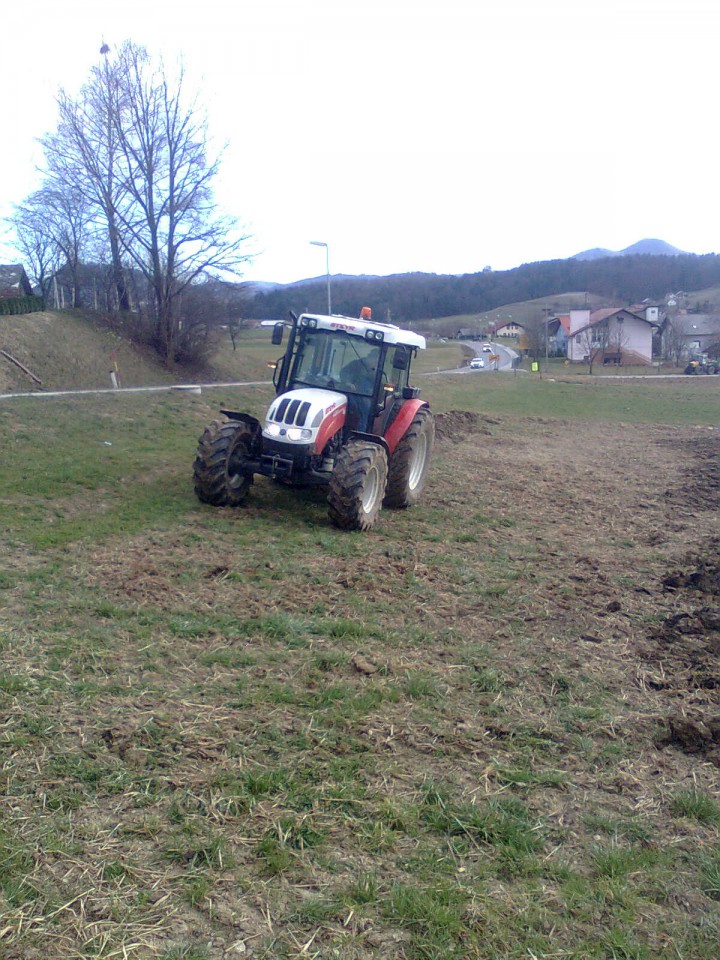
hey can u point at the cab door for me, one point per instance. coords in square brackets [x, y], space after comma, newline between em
[393, 381]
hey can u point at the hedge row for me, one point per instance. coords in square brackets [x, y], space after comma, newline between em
[12, 305]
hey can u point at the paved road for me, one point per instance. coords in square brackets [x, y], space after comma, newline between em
[506, 354]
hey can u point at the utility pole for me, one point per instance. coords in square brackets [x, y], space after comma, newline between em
[321, 243]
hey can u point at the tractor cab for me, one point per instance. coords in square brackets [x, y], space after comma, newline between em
[366, 362]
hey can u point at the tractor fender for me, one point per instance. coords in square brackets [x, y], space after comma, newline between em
[372, 438]
[397, 429]
[251, 421]
[329, 426]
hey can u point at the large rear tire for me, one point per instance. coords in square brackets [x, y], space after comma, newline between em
[219, 474]
[357, 485]
[409, 463]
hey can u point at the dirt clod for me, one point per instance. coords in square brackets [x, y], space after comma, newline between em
[456, 425]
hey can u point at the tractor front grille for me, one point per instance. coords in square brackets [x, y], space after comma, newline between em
[291, 412]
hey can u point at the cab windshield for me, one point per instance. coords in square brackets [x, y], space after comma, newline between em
[336, 361]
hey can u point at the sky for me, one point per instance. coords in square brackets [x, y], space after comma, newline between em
[440, 136]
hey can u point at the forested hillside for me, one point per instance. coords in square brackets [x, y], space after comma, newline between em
[411, 297]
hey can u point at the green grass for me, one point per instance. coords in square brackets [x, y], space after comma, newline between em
[593, 398]
[246, 727]
[695, 805]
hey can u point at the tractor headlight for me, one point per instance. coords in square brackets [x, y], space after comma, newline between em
[376, 335]
[299, 433]
[273, 429]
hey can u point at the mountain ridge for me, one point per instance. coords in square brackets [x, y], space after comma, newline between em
[409, 298]
[646, 247]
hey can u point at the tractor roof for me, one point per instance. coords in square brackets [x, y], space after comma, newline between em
[358, 328]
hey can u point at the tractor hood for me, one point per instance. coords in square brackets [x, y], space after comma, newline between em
[307, 417]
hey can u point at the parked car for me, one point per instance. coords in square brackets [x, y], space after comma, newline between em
[477, 363]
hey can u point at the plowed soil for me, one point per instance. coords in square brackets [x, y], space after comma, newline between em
[617, 529]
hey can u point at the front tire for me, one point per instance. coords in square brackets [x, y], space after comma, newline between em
[357, 485]
[222, 453]
[410, 461]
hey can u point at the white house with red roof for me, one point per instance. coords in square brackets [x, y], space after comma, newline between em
[506, 328]
[608, 335]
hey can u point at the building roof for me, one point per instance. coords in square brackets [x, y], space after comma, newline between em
[597, 316]
[13, 279]
[600, 316]
[700, 324]
[505, 323]
[645, 305]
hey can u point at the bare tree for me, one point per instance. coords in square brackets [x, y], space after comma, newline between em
[675, 337]
[67, 220]
[34, 238]
[53, 224]
[83, 155]
[618, 338]
[129, 166]
[534, 335]
[592, 342]
[170, 226]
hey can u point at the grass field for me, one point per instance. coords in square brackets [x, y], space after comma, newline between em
[488, 729]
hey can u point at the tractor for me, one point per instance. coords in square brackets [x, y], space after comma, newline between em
[344, 417]
[702, 364]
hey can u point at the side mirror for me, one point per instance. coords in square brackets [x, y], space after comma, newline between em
[401, 360]
[277, 334]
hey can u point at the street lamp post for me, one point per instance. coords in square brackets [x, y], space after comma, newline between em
[321, 243]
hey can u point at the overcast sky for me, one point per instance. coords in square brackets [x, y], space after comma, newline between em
[439, 136]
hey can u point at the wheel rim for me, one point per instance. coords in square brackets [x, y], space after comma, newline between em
[370, 490]
[235, 476]
[418, 462]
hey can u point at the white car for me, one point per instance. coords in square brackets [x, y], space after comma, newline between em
[477, 363]
[487, 348]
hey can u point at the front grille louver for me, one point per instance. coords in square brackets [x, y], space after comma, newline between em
[291, 412]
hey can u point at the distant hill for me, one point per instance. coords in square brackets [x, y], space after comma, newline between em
[653, 248]
[413, 298]
[263, 286]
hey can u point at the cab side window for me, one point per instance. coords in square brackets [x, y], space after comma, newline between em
[398, 378]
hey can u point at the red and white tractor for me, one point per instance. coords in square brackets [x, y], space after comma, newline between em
[345, 416]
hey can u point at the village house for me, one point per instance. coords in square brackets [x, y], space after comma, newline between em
[14, 282]
[696, 333]
[609, 335]
[507, 328]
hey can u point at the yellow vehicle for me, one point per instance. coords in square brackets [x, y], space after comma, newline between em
[703, 364]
